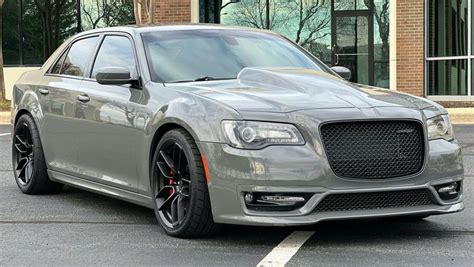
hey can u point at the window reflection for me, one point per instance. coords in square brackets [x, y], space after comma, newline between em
[447, 77]
[351, 4]
[447, 28]
[79, 56]
[115, 51]
[314, 30]
[382, 74]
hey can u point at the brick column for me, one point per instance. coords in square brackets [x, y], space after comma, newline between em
[410, 46]
[170, 12]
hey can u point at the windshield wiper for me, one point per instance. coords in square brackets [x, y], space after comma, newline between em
[201, 79]
[205, 78]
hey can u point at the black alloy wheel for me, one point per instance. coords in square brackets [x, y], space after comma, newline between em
[173, 197]
[23, 154]
[29, 165]
[181, 198]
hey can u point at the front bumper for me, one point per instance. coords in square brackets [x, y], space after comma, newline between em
[304, 169]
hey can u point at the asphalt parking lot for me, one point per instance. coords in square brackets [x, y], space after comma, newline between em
[80, 228]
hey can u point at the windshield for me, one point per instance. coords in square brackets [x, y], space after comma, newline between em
[199, 55]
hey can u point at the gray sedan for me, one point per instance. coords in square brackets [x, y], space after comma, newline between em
[212, 125]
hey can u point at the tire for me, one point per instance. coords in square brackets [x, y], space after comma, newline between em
[172, 192]
[29, 165]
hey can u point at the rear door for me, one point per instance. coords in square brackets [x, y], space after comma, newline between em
[57, 95]
[108, 128]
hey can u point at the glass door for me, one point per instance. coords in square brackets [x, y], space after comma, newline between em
[352, 42]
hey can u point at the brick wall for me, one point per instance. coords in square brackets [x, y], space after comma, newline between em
[410, 46]
[170, 12]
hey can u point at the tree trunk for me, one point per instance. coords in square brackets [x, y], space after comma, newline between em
[137, 11]
[2, 82]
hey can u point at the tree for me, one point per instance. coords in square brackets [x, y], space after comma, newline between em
[2, 80]
[313, 18]
[148, 8]
[252, 13]
[57, 16]
[308, 19]
[107, 13]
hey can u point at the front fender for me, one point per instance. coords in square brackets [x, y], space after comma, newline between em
[199, 116]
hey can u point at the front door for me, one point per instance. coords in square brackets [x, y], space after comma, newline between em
[352, 41]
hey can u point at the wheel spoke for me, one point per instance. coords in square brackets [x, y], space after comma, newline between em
[177, 152]
[180, 207]
[167, 165]
[169, 161]
[21, 145]
[165, 205]
[22, 162]
[186, 180]
[185, 191]
[174, 211]
[165, 191]
[164, 171]
[28, 171]
[22, 173]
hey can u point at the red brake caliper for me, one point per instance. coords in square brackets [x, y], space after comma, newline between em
[171, 183]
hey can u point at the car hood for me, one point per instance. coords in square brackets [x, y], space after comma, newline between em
[287, 90]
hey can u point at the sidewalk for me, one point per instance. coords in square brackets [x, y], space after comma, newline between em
[458, 116]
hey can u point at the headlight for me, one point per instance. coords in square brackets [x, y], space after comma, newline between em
[440, 127]
[257, 135]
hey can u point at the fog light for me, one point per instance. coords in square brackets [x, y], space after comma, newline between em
[248, 198]
[448, 190]
[282, 199]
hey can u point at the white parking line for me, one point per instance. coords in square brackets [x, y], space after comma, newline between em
[282, 253]
[4, 134]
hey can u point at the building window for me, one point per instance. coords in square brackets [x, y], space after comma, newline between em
[449, 48]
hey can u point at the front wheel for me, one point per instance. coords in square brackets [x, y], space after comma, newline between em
[181, 197]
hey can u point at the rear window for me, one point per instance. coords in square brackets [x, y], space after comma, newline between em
[79, 56]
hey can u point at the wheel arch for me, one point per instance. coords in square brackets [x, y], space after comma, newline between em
[20, 113]
[162, 130]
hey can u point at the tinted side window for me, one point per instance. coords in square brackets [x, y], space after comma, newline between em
[115, 51]
[79, 56]
[57, 67]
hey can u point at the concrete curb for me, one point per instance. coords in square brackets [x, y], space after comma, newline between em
[5, 117]
[458, 116]
[461, 115]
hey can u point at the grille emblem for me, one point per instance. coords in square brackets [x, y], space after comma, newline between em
[405, 131]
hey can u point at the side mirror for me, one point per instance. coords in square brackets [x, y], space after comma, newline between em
[113, 75]
[344, 72]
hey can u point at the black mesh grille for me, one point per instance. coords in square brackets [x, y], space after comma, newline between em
[376, 200]
[374, 149]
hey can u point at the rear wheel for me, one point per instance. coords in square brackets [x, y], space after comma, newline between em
[29, 164]
[181, 197]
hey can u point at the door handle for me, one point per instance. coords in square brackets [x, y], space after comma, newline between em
[43, 91]
[83, 98]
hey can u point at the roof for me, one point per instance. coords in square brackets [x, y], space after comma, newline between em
[157, 27]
